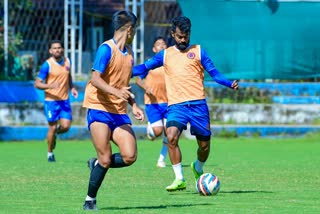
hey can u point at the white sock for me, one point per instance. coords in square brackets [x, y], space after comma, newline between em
[198, 165]
[88, 198]
[161, 157]
[177, 168]
[50, 154]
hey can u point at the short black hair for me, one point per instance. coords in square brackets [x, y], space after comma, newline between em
[183, 23]
[158, 38]
[54, 42]
[122, 17]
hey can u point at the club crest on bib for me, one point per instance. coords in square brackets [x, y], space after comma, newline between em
[191, 55]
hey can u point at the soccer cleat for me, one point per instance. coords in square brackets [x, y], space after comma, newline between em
[51, 159]
[161, 164]
[90, 205]
[91, 163]
[195, 173]
[177, 185]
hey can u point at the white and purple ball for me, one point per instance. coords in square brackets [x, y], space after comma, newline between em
[208, 184]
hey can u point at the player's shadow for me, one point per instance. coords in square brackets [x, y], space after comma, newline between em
[244, 191]
[154, 207]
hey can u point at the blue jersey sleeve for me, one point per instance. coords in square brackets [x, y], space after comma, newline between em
[155, 62]
[44, 71]
[140, 70]
[142, 76]
[208, 65]
[102, 58]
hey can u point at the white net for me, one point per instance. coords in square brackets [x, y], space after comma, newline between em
[33, 23]
[158, 16]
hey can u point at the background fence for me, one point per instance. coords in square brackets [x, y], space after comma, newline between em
[247, 39]
[33, 23]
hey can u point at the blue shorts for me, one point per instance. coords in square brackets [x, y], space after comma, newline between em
[179, 115]
[56, 110]
[112, 120]
[156, 112]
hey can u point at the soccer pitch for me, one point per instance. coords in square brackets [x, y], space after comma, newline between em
[258, 175]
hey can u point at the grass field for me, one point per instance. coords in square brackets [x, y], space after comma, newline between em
[258, 175]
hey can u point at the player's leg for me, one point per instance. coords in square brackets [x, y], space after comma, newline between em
[174, 151]
[64, 125]
[51, 138]
[164, 148]
[100, 133]
[123, 136]
[65, 116]
[157, 128]
[64, 112]
[176, 123]
[155, 125]
[51, 111]
[202, 156]
[200, 127]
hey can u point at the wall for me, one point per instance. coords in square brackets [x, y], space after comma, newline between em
[247, 41]
[22, 117]
[232, 114]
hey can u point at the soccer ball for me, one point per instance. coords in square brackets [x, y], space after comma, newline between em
[208, 184]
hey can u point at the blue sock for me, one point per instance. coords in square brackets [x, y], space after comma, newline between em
[117, 161]
[96, 178]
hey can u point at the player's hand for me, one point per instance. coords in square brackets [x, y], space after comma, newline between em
[124, 93]
[74, 93]
[137, 112]
[235, 85]
[149, 91]
[54, 85]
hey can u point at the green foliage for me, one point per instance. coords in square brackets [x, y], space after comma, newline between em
[15, 41]
[227, 134]
[316, 122]
[247, 95]
[258, 175]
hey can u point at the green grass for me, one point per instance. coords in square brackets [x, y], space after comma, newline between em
[258, 175]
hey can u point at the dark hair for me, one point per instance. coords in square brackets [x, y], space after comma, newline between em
[158, 38]
[54, 42]
[123, 17]
[182, 22]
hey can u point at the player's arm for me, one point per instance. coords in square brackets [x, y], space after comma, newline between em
[74, 91]
[136, 110]
[139, 81]
[100, 64]
[155, 62]
[208, 65]
[42, 76]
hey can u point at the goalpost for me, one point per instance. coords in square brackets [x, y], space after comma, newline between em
[73, 19]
